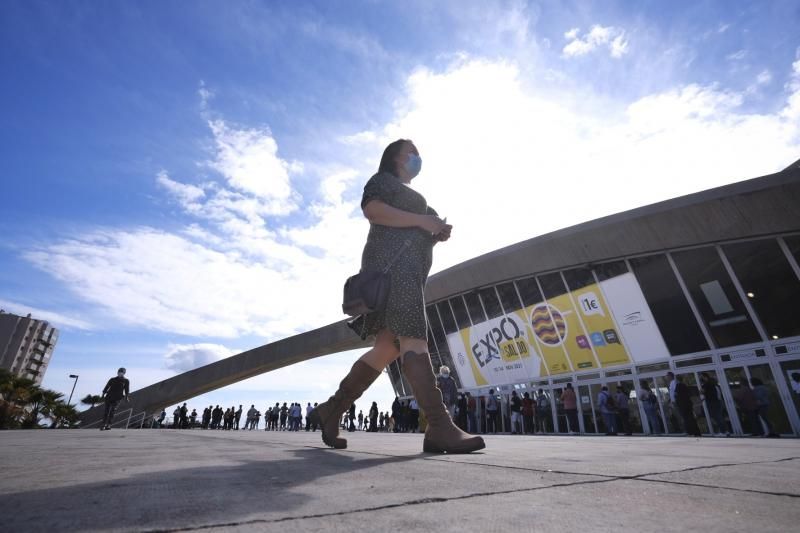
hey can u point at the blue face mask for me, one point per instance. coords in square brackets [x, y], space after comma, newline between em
[413, 165]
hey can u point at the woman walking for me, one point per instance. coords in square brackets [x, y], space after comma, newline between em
[399, 217]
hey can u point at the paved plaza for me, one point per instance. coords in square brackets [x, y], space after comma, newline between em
[166, 480]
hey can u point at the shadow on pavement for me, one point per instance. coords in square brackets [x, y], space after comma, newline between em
[184, 497]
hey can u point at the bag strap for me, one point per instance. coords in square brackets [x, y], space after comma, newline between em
[402, 249]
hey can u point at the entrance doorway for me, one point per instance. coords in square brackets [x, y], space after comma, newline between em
[741, 381]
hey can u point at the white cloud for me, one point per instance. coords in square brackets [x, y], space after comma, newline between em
[185, 357]
[737, 56]
[161, 281]
[597, 37]
[764, 77]
[506, 162]
[59, 320]
[792, 110]
[205, 94]
[188, 195]
[249, 161]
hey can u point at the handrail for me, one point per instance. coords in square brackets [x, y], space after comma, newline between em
[127, 422]
[129, 410]
[143, 414]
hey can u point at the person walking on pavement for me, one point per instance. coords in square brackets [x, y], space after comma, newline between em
[117, 389]
[403, 231]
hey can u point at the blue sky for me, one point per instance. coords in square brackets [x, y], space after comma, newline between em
[173, 176]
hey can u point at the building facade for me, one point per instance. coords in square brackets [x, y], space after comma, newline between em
[26, 345]
[704, 284]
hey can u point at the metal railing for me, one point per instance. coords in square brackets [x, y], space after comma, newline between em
[134, 419]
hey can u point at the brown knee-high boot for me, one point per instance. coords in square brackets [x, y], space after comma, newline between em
[441, 436]
[328, 414]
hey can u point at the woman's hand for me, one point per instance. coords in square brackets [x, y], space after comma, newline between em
[444, 234]
[433, 224]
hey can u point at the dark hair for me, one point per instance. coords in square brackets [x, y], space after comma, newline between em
[388, 164]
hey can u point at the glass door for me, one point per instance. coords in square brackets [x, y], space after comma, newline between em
[670, 417]
[594, 392]
[634, 422]
[747, 384]
[587, 410]
[692, 380]
[791, 373]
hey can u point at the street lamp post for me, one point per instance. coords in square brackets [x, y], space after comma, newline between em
[75, 377]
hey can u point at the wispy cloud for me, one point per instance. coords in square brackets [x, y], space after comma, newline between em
[188, 195]
[57, 319]
[614, 39]
[764, 77]
[736, 56]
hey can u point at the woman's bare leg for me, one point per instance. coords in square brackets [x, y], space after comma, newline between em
[383, 351]
[411, 344]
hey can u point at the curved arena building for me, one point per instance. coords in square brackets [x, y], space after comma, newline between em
[708, 282]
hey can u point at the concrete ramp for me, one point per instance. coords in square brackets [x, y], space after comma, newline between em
[330, 339]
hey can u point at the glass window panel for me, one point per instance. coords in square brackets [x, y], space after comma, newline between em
[793, 243]
[447, 317]
[509, 298]
[529, 291]
[552, 285]
[439, 337]
[578, 278]
[715, 297]
[610, 270]
[394, 377]
[769, 282]
[460, 311]
[433, 322]
[474, 307]
[672, 312]
[490, 302]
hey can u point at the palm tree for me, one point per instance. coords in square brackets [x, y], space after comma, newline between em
[22, 403]
[39, 402]
[64, 414]
[91, 400]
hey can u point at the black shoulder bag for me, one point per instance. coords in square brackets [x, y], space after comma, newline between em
[368, 291]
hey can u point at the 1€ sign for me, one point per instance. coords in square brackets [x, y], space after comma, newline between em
[590, 304]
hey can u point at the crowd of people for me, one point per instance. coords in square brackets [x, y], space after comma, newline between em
[276, 418]
[528, 413]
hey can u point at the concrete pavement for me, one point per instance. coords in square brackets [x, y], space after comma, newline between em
[167, 480]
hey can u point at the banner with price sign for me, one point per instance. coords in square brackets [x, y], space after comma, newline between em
[596, 326]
